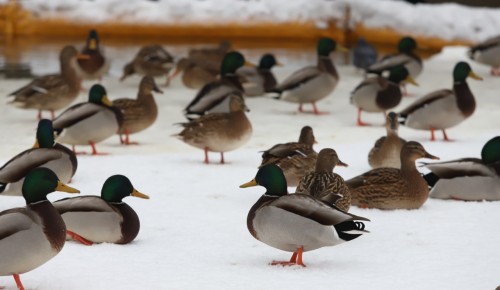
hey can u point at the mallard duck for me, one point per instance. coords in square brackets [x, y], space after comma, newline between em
[212, 96]
[96, 65]
[468, 178]
[312, 83]
[104, 219]
[151, 60]
[378, 94]
[46, 153]
[443, 109]
[324, 184]
[194, 75]
[297, 222]
[32, 235]
[364, 54]
[90, 122]
[386, 151]
[294, 158]
[259, 80]
[219, 132]
[392, 188]
[211, 56]
[140, 113]
[487, 52]
[52, 92]
[405, 56]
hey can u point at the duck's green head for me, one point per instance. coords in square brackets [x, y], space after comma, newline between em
[272, 178]
[41, 181]
[98, 95]
[327, 45]
[267, 61]
[93, 40]
[463, 70]
[407, 44]
[232, 61]
[44, 134]
[491, 151]
[399, 73]
[117, 187]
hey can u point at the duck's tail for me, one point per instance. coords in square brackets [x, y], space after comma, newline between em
[431, 179]
[349, 230]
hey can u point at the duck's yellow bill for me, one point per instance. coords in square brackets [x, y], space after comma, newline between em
[138, 194]
[106, 101]
[247, 63]
[93, 44]
[341, 48]
[411, 80]
[475, 76]
[279, 64]
[251, 183]
[63, 187]
[36, 145]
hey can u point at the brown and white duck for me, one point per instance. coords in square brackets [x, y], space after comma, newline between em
[392, 188]
[194, 75]
[386, 151]
[151, 60]
[96, 65]
[487, 52]
[259, 80]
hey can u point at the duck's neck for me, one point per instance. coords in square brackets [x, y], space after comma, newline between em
[232, 79]
[51, 222]
[325, 64]
[465, 98]
[417, 188]
[68, 72]
[263, 200]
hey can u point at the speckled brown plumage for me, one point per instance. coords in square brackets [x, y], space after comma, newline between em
[387, 150]
[391, 188]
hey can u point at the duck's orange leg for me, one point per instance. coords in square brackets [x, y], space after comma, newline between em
[445, 137]
[316, 111]
[79, 238]
[222, 158]
[433, 138]
[359, 122]
[296, 259]
[127, 140]
[300, 108]
[206, 156]
[18, 281]
[94, 150]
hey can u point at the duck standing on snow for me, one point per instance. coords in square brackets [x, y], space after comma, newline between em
[52, 92]
[364, 54]
[392, 188]
[405, 56]
[96, 65]
[219, 132]
[104, 219]
[259, 80]
[32, 235]
[45, 153]
[90, 122]
[445, 108]
[468, 178]
[324, 184]
[212, 96]
[297, 222]
[386, 151]
[151, 60]
[140, 113]
[195, 75]
[487, 52]
[295, 158]
[312, 83]
[378, 94]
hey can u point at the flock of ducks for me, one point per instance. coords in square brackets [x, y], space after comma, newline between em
[315, 216]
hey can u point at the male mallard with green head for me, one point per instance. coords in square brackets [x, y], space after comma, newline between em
[312, 83]
[45, 153]
[392, 188]
[443, 109]
[295, 158]
[140, 113]
[52, 92]
[90, 122]
[104, 219]
[379, 94]
[467, 178]
[324, 184]
[297, 222]
[32, 235]
[386, 151]
[259, 80]
[487, 52]
[96, 65]
[219, 132]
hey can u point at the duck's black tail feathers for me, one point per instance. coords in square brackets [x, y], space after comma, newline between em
[350, 230]
[431, 179]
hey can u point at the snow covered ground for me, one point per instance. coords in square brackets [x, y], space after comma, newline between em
[194, 234]
[448, 21]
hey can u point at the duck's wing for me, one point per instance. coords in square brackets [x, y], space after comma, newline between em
[75, 114]
[460, 167]
[22, 163]
[426, 100]
[298, 78]
[285, 150]
[378, 176]
[209, 96]
[312, 208]
[82, 204]
[389, 62]
[39, 86]
[489, 43]
[375, 83]
[15, 220]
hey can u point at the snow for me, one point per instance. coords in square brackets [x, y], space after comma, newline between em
[447, 21]
[194, 234]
